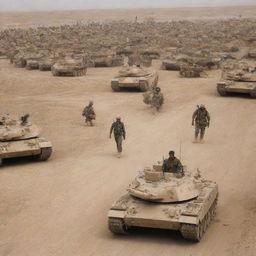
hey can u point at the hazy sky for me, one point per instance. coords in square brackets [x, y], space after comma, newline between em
[21, 5]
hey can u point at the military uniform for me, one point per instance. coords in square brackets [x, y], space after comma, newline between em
[119, 133]
[89, 114]
[172, 165]
[157, 100]
[202, 120]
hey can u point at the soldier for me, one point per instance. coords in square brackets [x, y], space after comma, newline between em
[157, 99]
[89, 114]
[119, 133]
[202, 118]
[173, 164]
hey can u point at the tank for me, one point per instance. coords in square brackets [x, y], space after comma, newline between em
[241, 80]
[168, 64]
[32, 63]
[69, 67]
[20, 138]
[135, 77]
[190, 71]
[104, 60]
[46, 64]
[181, 202]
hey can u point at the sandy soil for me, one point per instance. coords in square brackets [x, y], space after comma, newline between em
[59, 208]
[31, 19]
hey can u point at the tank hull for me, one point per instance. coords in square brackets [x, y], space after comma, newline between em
[191, 217]
[224, 88]
[28, 147]
[143, 83]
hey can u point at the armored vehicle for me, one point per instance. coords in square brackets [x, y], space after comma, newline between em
[162, 200]
[20, 138]
[32, 63]
[191, 71]
[105, 60]
[46, 64]
[169, 64]
[69, 67]
[238, 81]
[135, 77]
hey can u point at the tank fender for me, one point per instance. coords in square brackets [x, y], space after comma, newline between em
[116, 214]
[43, 143]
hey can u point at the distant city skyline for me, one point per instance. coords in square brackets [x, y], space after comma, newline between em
[37, 5]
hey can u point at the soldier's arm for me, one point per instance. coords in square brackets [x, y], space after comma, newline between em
[208, 117]
[194, 115]
[180, 167]
[124, 132]
[111, 129]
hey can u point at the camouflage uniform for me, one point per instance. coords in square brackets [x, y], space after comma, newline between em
[202, 118]
[172, 165]
[89, 114]
[119, 133]
[157, 100]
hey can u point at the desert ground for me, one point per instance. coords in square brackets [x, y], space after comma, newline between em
[59, 207]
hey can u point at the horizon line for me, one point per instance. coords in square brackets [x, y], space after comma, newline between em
[125, 8]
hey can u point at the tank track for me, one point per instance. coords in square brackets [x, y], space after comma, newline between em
[196, 232]
[45, 154]
[221, 90]
[115, 87]
[117, 226]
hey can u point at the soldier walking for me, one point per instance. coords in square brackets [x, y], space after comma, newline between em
[201, 119]
[89, 114]
[157, 99]
[119, 133]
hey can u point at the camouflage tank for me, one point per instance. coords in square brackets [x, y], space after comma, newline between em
[238, 81]
[32, 63]
[46, 64]
[20, 138]
[104, 60]
[190, 71]
[69, 67]
[19, 60]
[135, 77]
[169, 64]
[161, 200]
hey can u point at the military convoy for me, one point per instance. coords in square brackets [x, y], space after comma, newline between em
[162, 200]
[20, 138]
[239, 78]
[135, 77]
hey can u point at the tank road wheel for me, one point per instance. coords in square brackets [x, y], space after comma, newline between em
[115, 87]
[253, 93]
[221, 90]
[117, 226]
[45, 154]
